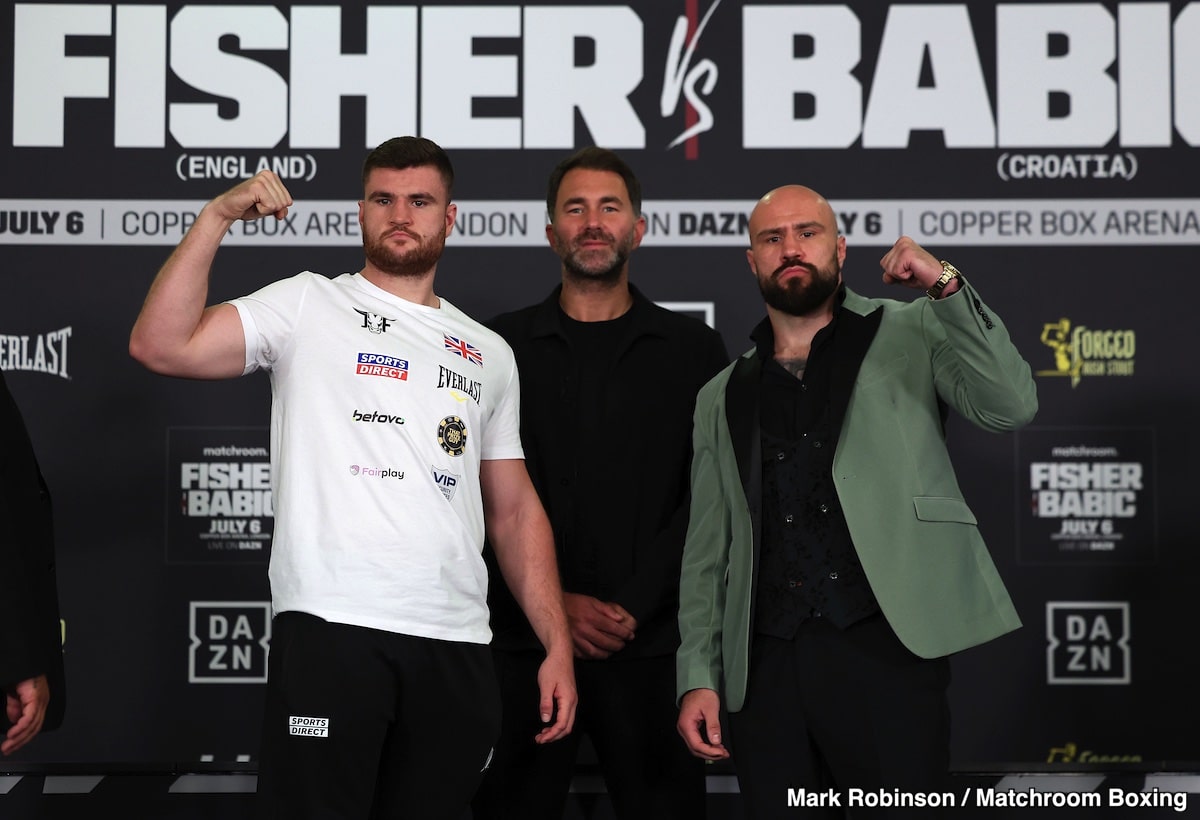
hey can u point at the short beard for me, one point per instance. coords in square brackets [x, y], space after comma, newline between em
[413, 263]
[607, 272]
[797, 298]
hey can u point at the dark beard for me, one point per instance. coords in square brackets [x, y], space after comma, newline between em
[797, 298]
[413, 263]
[605, 275]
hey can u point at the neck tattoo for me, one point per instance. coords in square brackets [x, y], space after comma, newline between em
[793, 366]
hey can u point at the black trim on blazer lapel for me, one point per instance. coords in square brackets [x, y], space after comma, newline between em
[855, 334]
[742, 415]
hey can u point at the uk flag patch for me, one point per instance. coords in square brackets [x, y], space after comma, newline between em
[462, 348]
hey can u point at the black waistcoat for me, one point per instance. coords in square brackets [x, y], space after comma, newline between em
[808, 566]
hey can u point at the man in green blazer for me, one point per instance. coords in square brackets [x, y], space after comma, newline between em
[831, 562]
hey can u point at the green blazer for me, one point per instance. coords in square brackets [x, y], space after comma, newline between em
[917, 539]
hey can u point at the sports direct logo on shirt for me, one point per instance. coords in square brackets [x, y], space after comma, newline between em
[377, 364]
[311, 726]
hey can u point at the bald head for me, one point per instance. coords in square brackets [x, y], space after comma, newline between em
[779, 209]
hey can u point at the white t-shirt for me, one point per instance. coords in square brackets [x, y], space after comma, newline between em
[382, 411]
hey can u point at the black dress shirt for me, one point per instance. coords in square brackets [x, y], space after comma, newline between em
[808, 566]
[30, 635]
[606, 426]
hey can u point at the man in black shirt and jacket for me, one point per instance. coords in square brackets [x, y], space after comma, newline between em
[608, 385]
[31, 662]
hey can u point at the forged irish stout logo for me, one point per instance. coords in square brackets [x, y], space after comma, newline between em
[1083, 351]
[1088, 642]
[230, 641]
[1070, 752]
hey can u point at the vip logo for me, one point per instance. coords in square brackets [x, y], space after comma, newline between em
[230, 640]
[446, 481]
[1088, 642]
[373, 321]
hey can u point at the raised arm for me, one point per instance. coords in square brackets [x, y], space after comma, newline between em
[521, 537]
[908, 264]
[175, 334]
[977, 369]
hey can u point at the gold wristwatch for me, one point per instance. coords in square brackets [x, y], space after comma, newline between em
[948, 272]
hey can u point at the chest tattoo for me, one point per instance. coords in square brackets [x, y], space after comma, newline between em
[793, 366]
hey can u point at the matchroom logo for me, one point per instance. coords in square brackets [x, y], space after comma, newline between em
[219, 503]
[1087, 496]
[1088, 642]
[230, 641]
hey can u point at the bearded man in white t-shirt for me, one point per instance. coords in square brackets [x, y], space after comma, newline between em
[395, 443]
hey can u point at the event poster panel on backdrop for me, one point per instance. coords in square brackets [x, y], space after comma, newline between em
[1049, 150]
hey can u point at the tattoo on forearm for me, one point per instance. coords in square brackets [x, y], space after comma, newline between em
[794, 366]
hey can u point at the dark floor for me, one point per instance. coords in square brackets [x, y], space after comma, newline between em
[227, 795]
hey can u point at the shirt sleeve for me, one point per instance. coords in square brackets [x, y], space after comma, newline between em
[269, 317]
[502, 427]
